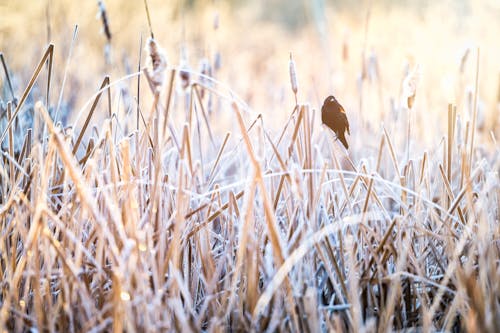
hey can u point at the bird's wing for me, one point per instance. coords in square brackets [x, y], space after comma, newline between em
[345, 122]
[323, 113]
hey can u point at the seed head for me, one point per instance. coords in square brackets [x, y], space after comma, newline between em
[185, 75]
[156, 63]
[410, 87]
[293, 74]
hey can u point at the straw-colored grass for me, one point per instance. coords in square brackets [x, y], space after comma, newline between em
[179, 208]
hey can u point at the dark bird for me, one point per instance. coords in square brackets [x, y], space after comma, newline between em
[333, 116]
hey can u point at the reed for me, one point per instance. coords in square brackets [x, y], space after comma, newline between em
[210, 216]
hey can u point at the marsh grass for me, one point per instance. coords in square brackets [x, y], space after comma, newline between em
[218, 221]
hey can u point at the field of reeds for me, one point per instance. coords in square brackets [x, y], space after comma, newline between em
[164, 166]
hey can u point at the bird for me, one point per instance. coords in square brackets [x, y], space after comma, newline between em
[333, 115]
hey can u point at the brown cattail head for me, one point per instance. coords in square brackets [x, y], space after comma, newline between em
[184, 73]
[156, 62]
[293, 74]
[206, 71]
[410, 87]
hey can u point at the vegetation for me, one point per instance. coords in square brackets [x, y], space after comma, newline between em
[140, 192]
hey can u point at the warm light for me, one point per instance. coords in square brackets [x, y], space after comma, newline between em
[125, 296]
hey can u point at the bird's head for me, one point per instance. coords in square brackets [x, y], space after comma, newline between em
[330, 99]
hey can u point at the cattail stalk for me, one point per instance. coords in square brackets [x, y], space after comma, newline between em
[409, 92]
[107, 32]
[293, 77]
[474, 116]
[105, 22]
[149, 19]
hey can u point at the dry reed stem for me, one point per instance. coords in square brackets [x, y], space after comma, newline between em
[293, 77]
[291, 261]
[474, 116]
[11, 146]
[9, 82]
[104, 84]
[157, 202]
[279, 252]
[105, 22]
[243, 239]
[217, 159]
[393, 154]
[204, 113]
[75, 174]
[270, 217]
[47, 56]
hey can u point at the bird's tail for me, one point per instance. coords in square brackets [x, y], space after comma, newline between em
[342, 139]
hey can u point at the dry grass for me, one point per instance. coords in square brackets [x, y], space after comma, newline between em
[177, 208]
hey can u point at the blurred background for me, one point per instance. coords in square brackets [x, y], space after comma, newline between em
[361, 51]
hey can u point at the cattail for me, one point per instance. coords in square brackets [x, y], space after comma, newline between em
[105, 23]
[373, 68]
[394, 108]
[217, 61]
[463, 59]
[345, 48]
[406, 66]
[105, 28]
[469, 100]
[156, 63]
[205, 67]
[410, 87]
[481, 115]
[3, 123]
[216, 21]
[184, 73]
[293, 76]
[297, 183]
[458, 132]
[469, 105]
[498, 92]
[363, 75]
[206, 71]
